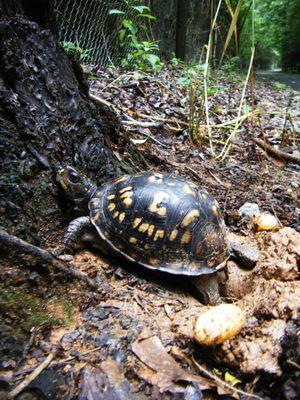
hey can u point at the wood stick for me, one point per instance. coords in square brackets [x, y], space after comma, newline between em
[19, 246]
[18, 389]
[225, 384]
[275, 152]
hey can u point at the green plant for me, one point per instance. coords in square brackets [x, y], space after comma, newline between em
[78, 52]
[279, 85]
[141, 54]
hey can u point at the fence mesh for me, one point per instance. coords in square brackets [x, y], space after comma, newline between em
[88, 25]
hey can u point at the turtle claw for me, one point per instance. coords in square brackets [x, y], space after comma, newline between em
[63, 250]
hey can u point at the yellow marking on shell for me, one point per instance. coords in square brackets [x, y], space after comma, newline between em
[133, 254]
[173, 235]
[215, 211]
[193, 266]
[189, 218]
[159, 234]
[127, 201]
[121, 217]
[126, 194]
[146, 246]
[125, 189]
[155, 178]
[158, 175]
[150, 230]
[144, 227]
[111, 196]
[153, 261]
[95, 217]
[176, 265]
[188, 190]
[111, 206]
[133, 240]
[116, 214]
[203, 195]
[158, 198]
[199, 249]
[136, 222]
[186, 237]
[121, 179]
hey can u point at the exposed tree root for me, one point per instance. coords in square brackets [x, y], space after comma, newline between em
[21, 248]
[275, 152]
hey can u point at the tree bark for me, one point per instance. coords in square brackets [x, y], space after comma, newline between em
[46, 116]
[181, 29]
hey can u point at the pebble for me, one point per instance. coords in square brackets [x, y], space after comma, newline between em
[218, 324]
[266, 222]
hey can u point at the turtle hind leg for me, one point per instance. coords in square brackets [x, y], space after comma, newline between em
[208, 288]
[73, 239]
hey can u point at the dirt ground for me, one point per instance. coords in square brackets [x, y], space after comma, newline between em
[101, 341]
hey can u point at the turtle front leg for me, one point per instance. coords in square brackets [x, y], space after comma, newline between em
[74, 236]
[208, 287]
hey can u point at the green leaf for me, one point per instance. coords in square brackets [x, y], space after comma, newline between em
[141, 9]
[231, 379]
[114, 12]
[246, 108]
[148, 16]
[212, 91]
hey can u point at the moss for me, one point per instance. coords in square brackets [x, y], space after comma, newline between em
[20, 304]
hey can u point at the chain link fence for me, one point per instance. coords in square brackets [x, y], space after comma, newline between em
[87, 25]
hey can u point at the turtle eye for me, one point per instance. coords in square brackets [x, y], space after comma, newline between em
[73, 177]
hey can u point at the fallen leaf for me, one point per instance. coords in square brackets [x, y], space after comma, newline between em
[231, 379]
[152, 353]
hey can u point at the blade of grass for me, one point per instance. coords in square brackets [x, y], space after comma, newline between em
[230, 9]
[231, 29]
[227, 145]
[205, 75]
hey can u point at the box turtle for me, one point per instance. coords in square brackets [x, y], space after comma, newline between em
[159, 221]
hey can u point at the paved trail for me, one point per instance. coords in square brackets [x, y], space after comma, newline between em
[292, 80]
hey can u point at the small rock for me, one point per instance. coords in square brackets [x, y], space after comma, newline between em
[266, 222]
[218, 324]
[246, 256]
[249, 210]
[66, 257]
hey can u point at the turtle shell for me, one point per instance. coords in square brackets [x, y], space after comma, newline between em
[162, 222]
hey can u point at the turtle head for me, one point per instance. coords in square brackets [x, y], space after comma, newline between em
[77, 187]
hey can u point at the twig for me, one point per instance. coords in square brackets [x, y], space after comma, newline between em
[60, 362]
[278, 153]
[154, 139]
[154, 118]
[143, 124]
[18, 389]
[224, 384]
[293, 363]
[27, 347]
[19, 246]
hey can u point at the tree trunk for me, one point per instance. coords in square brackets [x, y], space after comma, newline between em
[45, 117]
[181, 29]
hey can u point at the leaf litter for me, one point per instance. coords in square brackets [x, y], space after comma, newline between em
[133, 337]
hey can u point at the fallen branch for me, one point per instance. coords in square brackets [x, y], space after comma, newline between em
[18, 389]
[225, 384]
[278, 153]
[142, 124]
[14, 244]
